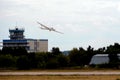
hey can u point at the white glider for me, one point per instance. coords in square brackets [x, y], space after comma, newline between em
[48, 28]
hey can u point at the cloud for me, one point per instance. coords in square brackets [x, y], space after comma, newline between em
[85, 21]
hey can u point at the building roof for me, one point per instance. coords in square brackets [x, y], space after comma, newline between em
[100, 55]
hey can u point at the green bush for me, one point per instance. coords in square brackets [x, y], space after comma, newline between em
[23, 63]
[7, 61]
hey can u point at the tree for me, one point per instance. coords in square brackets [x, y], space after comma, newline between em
[41, 60]
[0, 51]
[56, 51]
[19, 51]
[23, 63]
[113, 50]
[101, 50]
[32, 60]
[75, 57]
[15, 51]
[81, 57]
[88, 55]
[7, 50]
[62, 60]
[52, 63]
[7, 61]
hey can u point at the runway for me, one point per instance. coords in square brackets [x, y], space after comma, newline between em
[58, 73]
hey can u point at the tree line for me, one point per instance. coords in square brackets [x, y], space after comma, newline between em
[19, 58]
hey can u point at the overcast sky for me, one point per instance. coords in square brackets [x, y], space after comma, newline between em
[83, 22]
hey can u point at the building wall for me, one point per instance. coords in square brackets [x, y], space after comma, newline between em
[38, 45]
[101, 59]
[43, 46]
[32, 45]
[14, 43]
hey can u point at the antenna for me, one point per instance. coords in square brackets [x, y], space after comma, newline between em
[16, 25]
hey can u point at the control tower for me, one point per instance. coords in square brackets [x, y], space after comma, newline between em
[17, 39]
[16, 34]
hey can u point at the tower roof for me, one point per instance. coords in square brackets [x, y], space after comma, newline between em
[17, 33]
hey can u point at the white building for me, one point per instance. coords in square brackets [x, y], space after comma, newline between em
[35, 45]
[101, 59]
[32, 45]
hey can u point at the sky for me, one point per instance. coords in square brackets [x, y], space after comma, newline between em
[83, 22]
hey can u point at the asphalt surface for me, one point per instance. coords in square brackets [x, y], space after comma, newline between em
[58, 73]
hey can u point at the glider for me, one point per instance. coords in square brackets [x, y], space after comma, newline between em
[48, 28]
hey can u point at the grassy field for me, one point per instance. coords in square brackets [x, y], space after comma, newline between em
[59, 77]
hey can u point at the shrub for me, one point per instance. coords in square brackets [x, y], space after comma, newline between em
[23, 63]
